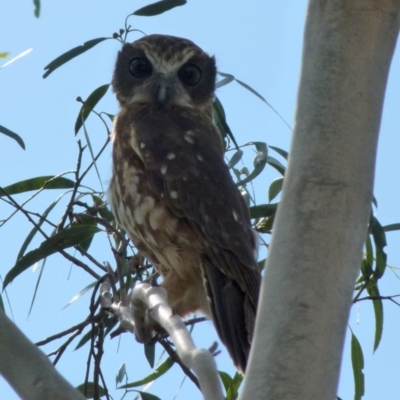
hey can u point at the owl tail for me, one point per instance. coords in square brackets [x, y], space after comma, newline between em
[232, 313]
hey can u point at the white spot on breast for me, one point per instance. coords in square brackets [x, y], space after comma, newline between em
[163, 169]
[171, 156]
[173, 194]
[235, 215]
[188, 139]
[142, 145]
[199, 157]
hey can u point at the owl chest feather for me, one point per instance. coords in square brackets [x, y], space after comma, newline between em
[162, 237]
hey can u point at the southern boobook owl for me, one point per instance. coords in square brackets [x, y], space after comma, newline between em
[172, 192]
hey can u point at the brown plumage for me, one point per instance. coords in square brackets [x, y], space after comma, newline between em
[172, 192]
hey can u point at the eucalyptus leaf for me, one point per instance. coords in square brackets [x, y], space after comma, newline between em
[72, 236]
[89, 105]
[70, 54]
[12, 135]
[159, 7]
[159, 371]
[40, 182]
[357, 359]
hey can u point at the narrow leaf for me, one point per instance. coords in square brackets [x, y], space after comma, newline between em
[89, 104]
[72, 236]
[373, 291]
[159, 371]
[391, 227]
[4, 54]
[280, 151]
[226, 379]
[263, 210]
[237, 156]
[81, 293]
[12, 135]
[232, 392]
[275, 188]
[148, 396]
[273, 162]
[219, 118]
[150, 352]
[70, 54]
[37, 8]
[259, 163]
[45, 182]
[35, 229]
[88, 390]
[357, 360]
[228, 78]
[84, 339]
[121, 374]
[159, 7]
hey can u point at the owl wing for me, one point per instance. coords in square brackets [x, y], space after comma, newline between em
[184, 164]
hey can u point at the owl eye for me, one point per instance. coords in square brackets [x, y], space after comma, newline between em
[190, 74]
[140, 67]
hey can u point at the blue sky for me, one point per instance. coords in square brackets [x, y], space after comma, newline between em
[258, 42]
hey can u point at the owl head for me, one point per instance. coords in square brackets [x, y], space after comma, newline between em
[164, 71]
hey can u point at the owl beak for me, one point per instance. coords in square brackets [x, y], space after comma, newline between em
[163, 95]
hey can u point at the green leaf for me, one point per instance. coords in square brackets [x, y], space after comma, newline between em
[226, 379]
[4, 54]
[380, 242]
[391, 227]
[121, 374]
[150, 352]
[72, 236]
[88, 390]
[280, 151]
[237, 156]
[40, 182]
[228, 78]
[250, 89]
[159, 371]
[70, 54]
[12, 135]
[357, 360]
[263, 210]
[273, 162]
[275, 188]
[373, 291]
[37, 8]
[35, 229]
[159, 7]
[259, 162]
[81, 293]
[84, 339]
[232, 392]
[219, 118]
[89, 104]
[147, 396]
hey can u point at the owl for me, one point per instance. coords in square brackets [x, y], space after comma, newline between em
[172, 192]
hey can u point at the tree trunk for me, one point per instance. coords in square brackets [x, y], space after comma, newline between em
[322, 219]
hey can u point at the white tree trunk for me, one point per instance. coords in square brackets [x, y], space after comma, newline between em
[28, 370]
[322, 219]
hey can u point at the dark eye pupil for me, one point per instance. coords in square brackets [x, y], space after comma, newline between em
[140, 67]
[190, 74]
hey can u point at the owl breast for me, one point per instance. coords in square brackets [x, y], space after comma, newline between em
[163, 238]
